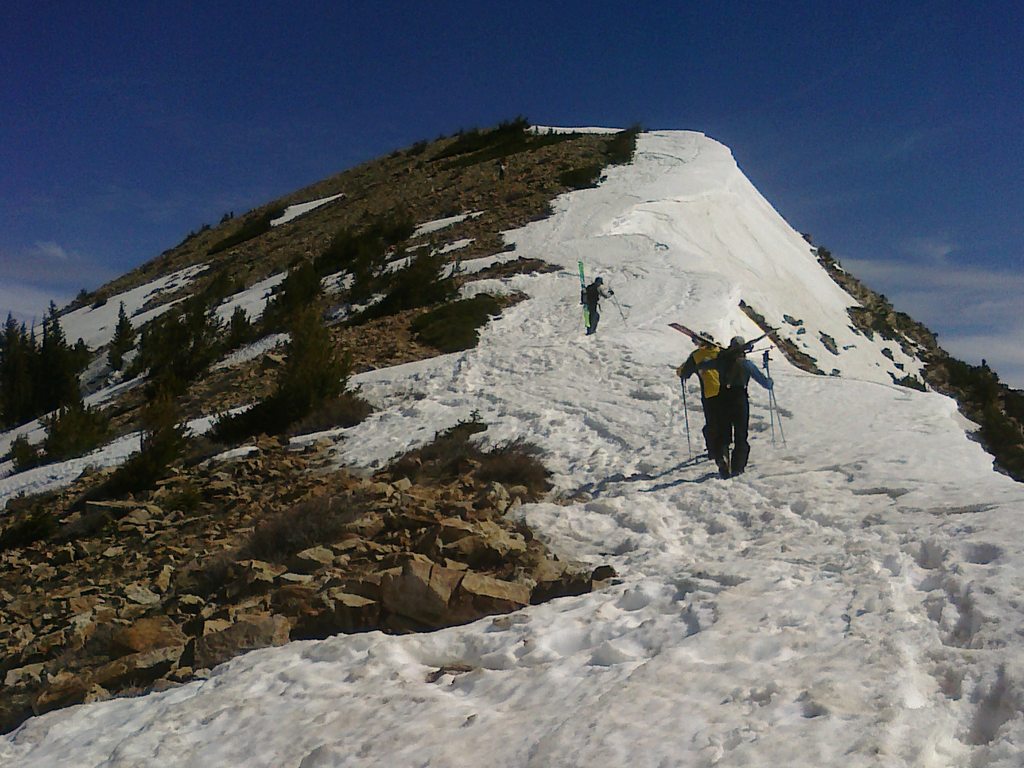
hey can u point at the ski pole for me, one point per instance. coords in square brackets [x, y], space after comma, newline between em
[773, 402]
[781, 433]
[686, 419]
[616, 303]
[771, 410]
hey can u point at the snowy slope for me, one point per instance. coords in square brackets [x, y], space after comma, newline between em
[96, 325]
[853, 600]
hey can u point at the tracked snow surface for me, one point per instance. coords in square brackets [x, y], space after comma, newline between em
[855, 599]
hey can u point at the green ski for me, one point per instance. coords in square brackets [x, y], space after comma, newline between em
[583, 298]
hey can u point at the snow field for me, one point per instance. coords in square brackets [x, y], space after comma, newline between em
[852, 600]
[96, 325]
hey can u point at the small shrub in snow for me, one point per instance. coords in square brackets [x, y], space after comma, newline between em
[24, 455]
[355, 250]
[240, 330]
[178, 346]
[446, 458]
[452, 455]
[581, 178]
[74, 431]
[456, 326]
[421, 284]
[300, 288]
[516, 463]
[345, 410]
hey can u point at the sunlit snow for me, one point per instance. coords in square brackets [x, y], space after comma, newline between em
[96, 324]
[853, 600]
[437, 225]
[294, 211]
[253, 299]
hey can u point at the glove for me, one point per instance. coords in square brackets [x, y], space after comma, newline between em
[771, 384]
[611, 292]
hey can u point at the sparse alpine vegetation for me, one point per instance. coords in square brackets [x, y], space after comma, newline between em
[252, 226]
[168, 528]
[273, 540]
[996, 408]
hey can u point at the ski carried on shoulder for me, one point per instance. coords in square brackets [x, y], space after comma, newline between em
[696, 337]
[583, 289]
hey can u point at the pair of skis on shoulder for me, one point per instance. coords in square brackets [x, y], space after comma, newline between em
[698, 339]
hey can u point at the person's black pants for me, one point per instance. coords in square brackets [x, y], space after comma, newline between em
[735, 424]
[714, 422]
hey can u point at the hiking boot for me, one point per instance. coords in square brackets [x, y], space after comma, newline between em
[723, 468]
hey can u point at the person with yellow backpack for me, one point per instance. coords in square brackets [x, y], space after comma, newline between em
[700, 362]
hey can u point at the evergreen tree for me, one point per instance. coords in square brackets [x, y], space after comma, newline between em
[74, 430]
[298, 290]
[240, 330]
[56, 375]
[311, 376]
[312, 373]
[123, 341]
[16, 368]
[177, 347]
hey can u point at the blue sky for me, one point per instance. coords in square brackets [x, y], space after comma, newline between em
[892, 132]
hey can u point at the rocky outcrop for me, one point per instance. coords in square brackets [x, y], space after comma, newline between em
[147, 592]
[210, 565]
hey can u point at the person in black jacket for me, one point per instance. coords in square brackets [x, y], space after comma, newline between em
[592, 294]
[734, 373]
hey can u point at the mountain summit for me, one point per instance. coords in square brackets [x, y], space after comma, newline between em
[851, 599]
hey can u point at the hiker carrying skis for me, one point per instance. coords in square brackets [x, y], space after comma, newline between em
[591, 295]
[711, 403]
[734, 373]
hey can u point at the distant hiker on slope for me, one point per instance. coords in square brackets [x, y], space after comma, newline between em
[734, 373]
[592, 294]
[705, 352]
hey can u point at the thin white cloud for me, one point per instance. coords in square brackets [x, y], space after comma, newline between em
[45, 271]
[933, 248]
[1003, 353]
[51, 250]
[26, 302]
[915, 275]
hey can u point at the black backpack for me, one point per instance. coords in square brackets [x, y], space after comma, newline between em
[730, 369]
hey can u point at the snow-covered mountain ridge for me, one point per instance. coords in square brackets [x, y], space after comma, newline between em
[852, 600]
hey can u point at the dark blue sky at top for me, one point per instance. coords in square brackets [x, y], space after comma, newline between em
[893, 132]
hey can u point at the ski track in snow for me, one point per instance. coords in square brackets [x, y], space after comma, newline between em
[852, 600]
